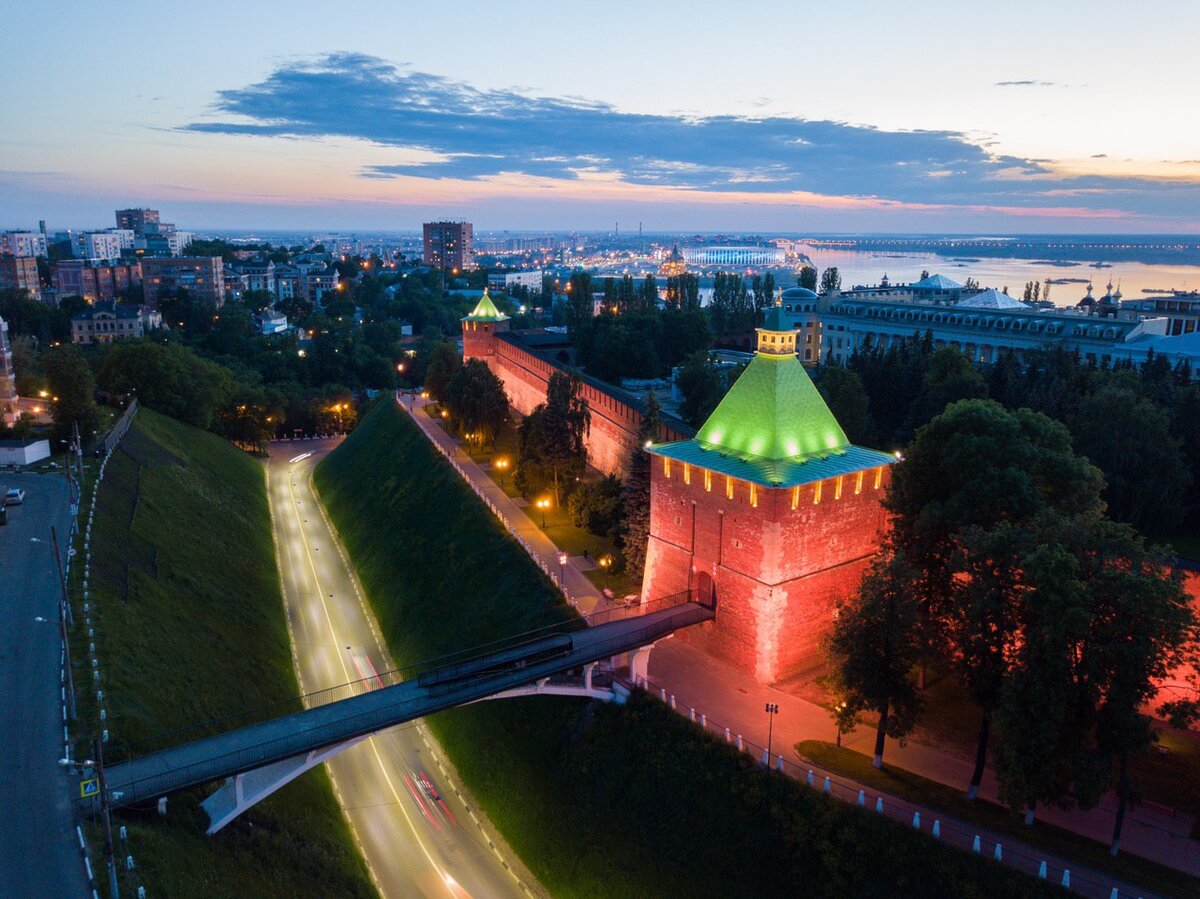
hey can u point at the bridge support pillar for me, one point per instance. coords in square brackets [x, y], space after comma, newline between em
[639, 664]
[243, 790]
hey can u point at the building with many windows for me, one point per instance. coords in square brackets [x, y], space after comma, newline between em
[508, 280]
[20, 272]
[139, 221]
[107, 322]
[8, 379]
[203, 277]
[989, 325]
[103, 246]
[95, 282]
[449, 245]
[23, 243]
[735, 257]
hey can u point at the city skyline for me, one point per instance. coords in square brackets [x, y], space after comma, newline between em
[780, 119]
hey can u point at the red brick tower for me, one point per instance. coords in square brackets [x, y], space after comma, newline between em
[479, 329]
[769, 510]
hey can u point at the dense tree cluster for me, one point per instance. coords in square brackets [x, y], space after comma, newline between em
[1056, 621]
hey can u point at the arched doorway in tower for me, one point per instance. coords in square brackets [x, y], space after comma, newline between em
[706, 589]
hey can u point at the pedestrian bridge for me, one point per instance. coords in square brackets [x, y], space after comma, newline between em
[259, 758]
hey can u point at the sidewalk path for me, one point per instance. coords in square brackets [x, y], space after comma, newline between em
[728, 698]
[580, 591]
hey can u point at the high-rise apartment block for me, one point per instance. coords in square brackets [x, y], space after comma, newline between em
[95, 283]
[450, 245]
[203, 277]
[20, 272]
[139, 221]
[23, 243]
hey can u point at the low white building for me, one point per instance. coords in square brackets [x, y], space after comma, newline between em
[23, 452]
[507, 280]
[23, 243]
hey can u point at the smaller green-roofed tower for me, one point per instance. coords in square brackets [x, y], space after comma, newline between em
[480, 328]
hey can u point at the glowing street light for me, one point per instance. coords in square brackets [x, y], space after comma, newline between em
[772, 710]
[501, 465]
[605, 563]
[543, 504]
[562, 561]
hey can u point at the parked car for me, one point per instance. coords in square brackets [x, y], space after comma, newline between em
[14, 496]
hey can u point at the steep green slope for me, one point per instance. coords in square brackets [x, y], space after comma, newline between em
[189, 628]
[599, 800]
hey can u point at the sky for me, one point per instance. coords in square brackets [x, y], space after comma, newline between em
[924, 116]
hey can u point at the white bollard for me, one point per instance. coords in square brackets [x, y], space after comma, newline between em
[663, 694]
[975, 847]
[728, 736]
[862, 798]
[703, 720]
[998, 855]
[740, 746]
[879, 805]
[810, 777]
[672, 702]
[1114, 894]
[937, 829]
[917, 820]
[779, 763]
[766, 759]
[692, 714]
[826, 787]
[124, 833]
[1042, 870]
[1066, 881]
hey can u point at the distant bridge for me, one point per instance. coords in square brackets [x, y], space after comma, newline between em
[260, 758]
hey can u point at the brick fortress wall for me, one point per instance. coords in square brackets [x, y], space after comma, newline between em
[778, 561]
[616, 416]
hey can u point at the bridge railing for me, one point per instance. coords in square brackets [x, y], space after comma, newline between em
[125, 787]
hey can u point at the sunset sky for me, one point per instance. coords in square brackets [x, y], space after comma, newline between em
[916, 117]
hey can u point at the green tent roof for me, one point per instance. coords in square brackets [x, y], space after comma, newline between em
[485, 311]
[773, 411]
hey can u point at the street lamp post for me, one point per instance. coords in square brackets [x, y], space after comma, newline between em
[772, 710]
[605, 563]
[562, 561]
[543, 504]
[501, 465]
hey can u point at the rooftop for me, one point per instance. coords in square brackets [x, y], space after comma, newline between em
[936, 282]
[992, 299]
[485, 311]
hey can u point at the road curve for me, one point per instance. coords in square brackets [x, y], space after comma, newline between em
[418, 833]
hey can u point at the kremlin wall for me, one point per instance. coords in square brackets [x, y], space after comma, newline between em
[768, 511]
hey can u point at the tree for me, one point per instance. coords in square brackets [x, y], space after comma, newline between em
[596, 507]
[978, 486]
[1129, 438]
[636, 499]
[808, 278]
[703, 386]
[949, 377]
[848, 401]
[554, 443]
[875, 644]
[580, 302]
[73, 389]
[171, 379]
[846, 716]
[831, 279]
[444, 361]
[477, 402]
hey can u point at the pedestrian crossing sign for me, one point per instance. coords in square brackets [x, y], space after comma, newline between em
[90, 787]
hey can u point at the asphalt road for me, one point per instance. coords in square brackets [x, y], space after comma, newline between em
[419, 836]
[39, 855]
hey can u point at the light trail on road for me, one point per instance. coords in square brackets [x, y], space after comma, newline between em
[410, 850]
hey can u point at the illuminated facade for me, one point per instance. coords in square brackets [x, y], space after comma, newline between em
[449, 245]
[672, 265]
[770, 511]
[8, 379]
[738, 257]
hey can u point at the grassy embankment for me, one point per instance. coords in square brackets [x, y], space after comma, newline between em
[953, 802]
[599, 800]
[560, 524]
[190, 627]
